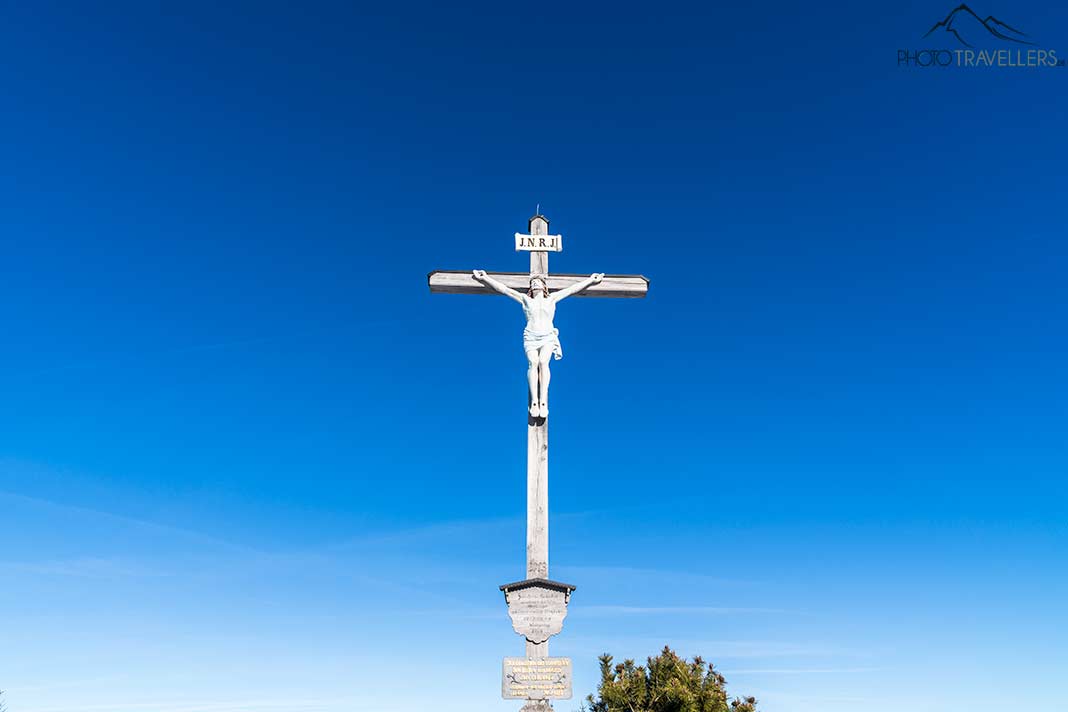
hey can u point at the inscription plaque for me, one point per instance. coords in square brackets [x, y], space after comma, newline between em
[538, 243]
[536, 679]
[537, 607]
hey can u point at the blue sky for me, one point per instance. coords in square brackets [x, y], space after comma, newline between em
[248, 462]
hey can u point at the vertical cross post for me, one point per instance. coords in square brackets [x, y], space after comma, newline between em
[538, 465]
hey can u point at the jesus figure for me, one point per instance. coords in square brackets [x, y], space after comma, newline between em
[541, 341]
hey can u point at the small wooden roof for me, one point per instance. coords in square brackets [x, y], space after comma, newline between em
[538, 583]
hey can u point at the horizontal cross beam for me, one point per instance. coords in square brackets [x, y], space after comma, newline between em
[613, 285]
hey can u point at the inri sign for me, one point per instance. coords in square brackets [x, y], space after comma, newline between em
[538, 243]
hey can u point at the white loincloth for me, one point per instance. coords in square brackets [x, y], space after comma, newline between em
[537, 341]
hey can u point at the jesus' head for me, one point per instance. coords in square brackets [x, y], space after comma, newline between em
[538, 286]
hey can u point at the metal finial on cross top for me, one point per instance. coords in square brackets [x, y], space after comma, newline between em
[537, 605]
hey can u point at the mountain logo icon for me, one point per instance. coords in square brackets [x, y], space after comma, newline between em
[969, 29]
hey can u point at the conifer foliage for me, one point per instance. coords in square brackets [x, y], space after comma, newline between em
[667, 683]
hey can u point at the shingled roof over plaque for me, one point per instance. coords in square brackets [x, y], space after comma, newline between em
[539, 583]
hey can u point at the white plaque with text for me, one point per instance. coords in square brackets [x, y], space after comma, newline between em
[537, 612]
[536, 679]
[538, 243]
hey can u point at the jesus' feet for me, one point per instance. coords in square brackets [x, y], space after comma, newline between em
[543, 410]
[534, 410]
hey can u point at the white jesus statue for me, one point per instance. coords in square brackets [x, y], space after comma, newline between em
[541, 341]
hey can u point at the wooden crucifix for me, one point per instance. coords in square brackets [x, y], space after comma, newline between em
[538, 292]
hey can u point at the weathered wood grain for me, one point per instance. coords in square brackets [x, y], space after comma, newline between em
[537, 511]
[633, 286]
[539, 261]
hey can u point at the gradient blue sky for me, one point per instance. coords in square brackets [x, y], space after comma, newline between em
[249, 463]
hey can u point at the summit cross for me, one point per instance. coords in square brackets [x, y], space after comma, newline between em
[538, 605]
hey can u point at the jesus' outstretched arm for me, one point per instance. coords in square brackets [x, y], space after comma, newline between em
[595, 278]
[481, 276]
